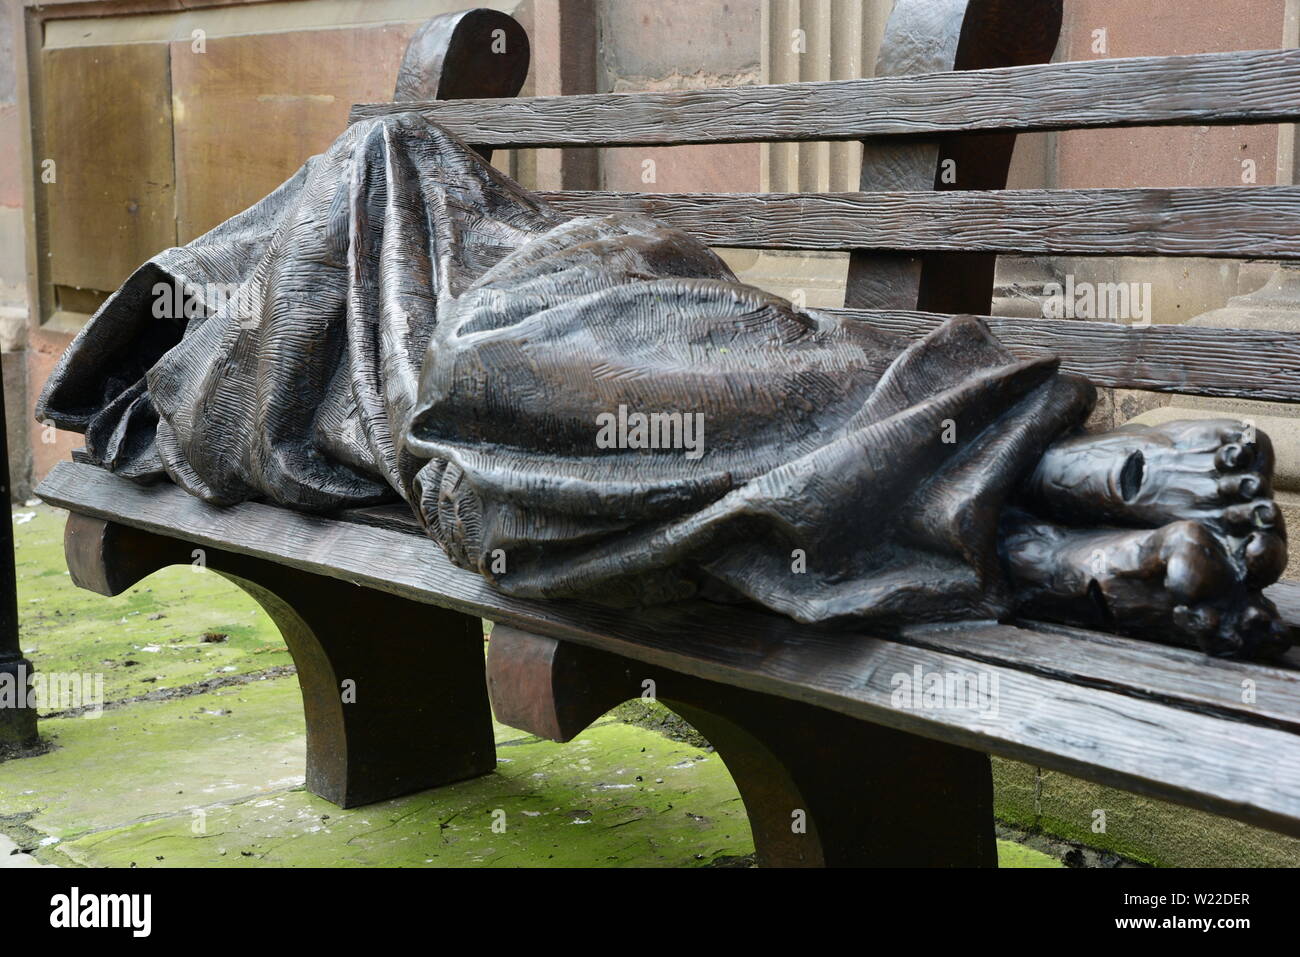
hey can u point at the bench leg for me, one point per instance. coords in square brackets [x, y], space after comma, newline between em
[393, 689]
[820, 789]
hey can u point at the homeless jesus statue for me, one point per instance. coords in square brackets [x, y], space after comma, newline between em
[595, 407]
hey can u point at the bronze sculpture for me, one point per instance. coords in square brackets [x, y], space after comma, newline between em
[400, 320]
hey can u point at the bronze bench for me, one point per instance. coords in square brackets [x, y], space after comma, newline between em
[832, 767]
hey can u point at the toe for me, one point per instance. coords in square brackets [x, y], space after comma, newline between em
[1265, 557]
[1234, 457]
[1240, 488]
[1266, 514]
[1248, 628]
[1255, 632]
[1260, 514]
[1197, 565]
[1201, 622]
[1261, 450]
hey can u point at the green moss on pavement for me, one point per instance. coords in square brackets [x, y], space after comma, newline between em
[147, 639]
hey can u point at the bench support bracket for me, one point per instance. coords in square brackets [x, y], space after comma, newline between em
[820, 788]
[393, 689]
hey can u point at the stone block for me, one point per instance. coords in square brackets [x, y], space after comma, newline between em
[1137, 827]
[249, 110]
[722, 168]
[48, 445]
[1178, 155]
[679, 40]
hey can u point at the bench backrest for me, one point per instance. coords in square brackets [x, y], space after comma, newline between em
[909, 123]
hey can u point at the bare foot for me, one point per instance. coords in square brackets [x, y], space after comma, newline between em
[1174, 580]
[1216, 472]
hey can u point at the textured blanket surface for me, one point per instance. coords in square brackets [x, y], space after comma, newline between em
[588, 407]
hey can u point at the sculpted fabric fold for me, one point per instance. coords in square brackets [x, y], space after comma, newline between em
[588, 407]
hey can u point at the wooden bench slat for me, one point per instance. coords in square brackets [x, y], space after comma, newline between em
[1140, 669]
[1256, 364]
[1146, 746]
[1229, 222]
[1286, 595]
[1213, 88]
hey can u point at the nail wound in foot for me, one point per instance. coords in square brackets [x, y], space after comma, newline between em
[1150, 528]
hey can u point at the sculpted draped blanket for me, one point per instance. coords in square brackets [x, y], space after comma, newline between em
[406, 322]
